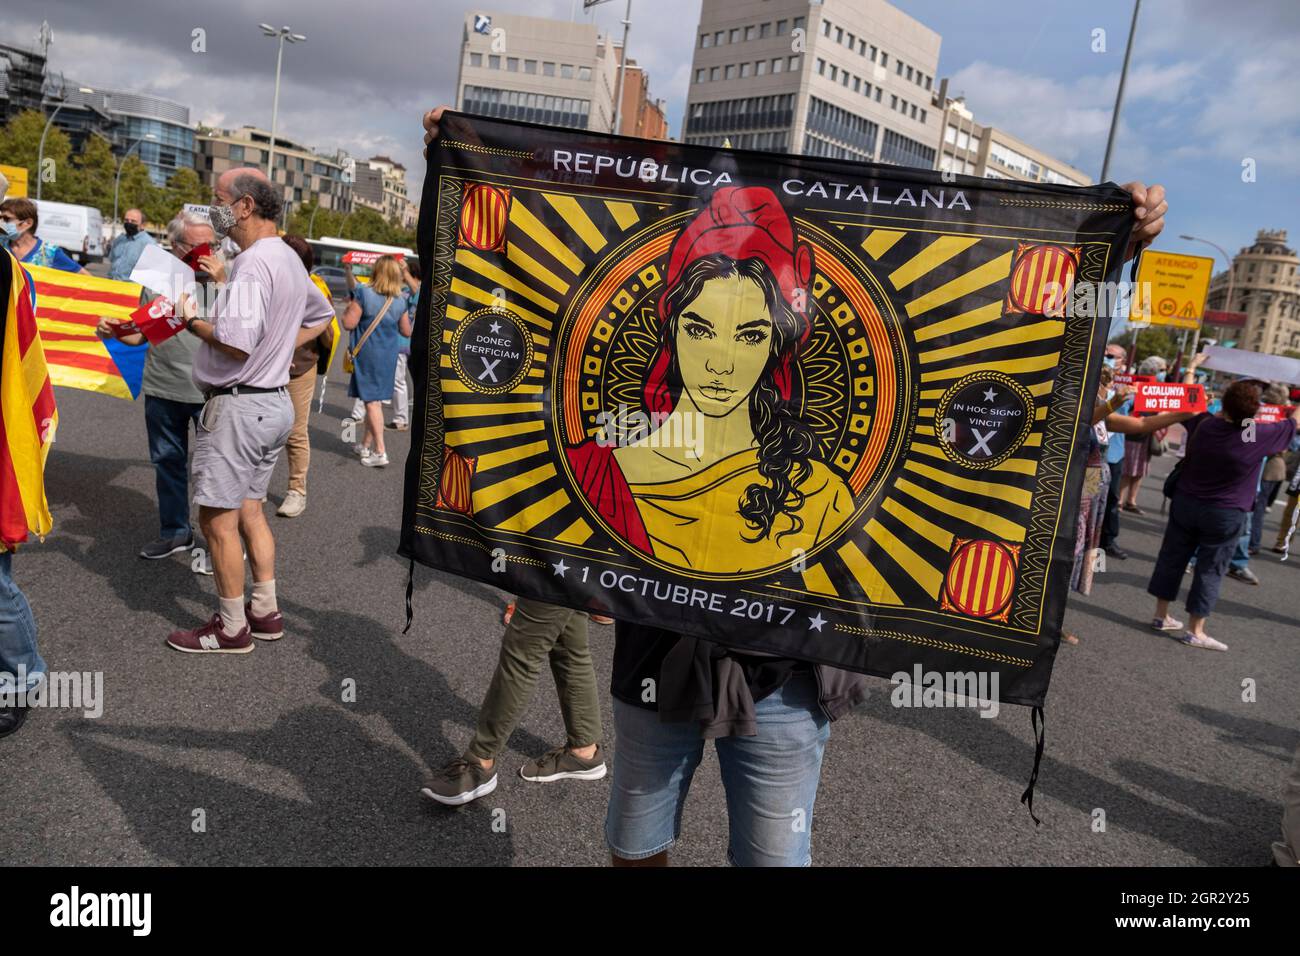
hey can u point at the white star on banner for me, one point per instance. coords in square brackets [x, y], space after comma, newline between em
[560, 568]
[990, 395]
[815, 623]
[496, 328]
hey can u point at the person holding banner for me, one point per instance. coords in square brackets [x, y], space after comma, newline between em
[302, 386]
[1137, 454]
[1213, 493]
[171, 400]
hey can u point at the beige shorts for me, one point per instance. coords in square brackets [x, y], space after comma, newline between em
[237, 444]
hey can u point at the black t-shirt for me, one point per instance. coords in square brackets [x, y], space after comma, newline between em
[639, 653]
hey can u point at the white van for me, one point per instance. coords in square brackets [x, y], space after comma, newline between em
[79, 230]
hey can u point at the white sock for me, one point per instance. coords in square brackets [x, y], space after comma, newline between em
[232, 615]
[264, 598]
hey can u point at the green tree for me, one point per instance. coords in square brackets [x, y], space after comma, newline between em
[20, 141]
[94, 168]
[137, 191]
[185, 186]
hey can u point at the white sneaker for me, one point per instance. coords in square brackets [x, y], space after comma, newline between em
[375, 461]
[361, 451]
[294, 504]
[1203, 641]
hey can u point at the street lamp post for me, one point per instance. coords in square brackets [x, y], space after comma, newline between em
[622, 60]
[1227, 305]
[283, 35]
[117, 182]
[40, 150]
[1119, 94]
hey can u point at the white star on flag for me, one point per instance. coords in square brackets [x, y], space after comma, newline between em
[815, 623]
[560, 568]
[496, 328]
[990, 395]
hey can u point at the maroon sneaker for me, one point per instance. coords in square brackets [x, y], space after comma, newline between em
[211, 639]
[267, 628]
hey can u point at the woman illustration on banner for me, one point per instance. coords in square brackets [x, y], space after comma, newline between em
[748, 493]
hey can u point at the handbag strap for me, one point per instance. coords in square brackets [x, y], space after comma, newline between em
[373, 325]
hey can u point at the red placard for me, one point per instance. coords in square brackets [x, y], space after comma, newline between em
[358, 258]
[1268, 414]
[157, 320]
[1124, 378]
[1169, 397]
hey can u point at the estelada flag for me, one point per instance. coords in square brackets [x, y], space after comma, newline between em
[68, 307]
[830, 411]
[28, 417]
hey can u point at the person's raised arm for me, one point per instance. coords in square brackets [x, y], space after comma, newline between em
[1132, 425]
[1189, 375]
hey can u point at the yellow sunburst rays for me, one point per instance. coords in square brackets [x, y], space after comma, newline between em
[921, 511]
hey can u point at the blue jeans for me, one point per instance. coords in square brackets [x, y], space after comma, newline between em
[1212, 535]
[17, 634]
[770, 779]
[168, 425]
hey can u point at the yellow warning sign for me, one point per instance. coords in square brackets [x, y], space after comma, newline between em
[1171, 290]
[17, 176]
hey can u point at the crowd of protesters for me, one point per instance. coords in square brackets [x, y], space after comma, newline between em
[243, 376]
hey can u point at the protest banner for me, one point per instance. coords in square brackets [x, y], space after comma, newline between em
[825, 410]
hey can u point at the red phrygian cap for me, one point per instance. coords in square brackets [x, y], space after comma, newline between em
[741, 223]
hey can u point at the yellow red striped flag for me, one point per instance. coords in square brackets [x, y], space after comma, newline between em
[28, 416]
[68, 307]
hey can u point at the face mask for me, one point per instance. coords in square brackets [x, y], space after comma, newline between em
[222, 218]
[1111, 361]
[8, 230]
[130, 228]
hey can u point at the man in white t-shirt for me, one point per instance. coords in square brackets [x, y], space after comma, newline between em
[267, 307]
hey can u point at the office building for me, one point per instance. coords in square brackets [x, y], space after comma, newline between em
[380, 184]
[537, 70]
[155, 129]
[22, 80]
[303, 175]
[992, 153]
[846, 79]
[641, 115]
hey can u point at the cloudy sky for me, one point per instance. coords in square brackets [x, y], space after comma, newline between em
[1213, 83]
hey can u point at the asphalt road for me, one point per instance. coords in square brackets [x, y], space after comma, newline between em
[1154, 734]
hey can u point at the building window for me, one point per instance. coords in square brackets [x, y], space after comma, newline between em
[821, 67]
[884, 58]
[764, 31]
[476, 59]
[706, 40]
[236, 153]
[719, 38]
[909, 72]
[878, 92]
[548, 68]
[778, 64]
[848, 37]
[872, 55]
[782, 27]
[835, 72]
[927, 82]
[730, 72]
[744, 70]
[494, 62]
[734, 35]
[857, 84]
[862, 48]
[512, 64]
[798, 23]
[566, 71]
[839, 35]
[913, 112]
[584, 74]
[713, 73]
[826, 28]
[699, 76]
[922, 116]
[898, 67]
[893, 101]
[794, 63]
[866, 90]
[760, 68]
[751, 32]
[530, 66]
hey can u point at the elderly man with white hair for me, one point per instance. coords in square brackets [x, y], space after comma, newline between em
[172, 402]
